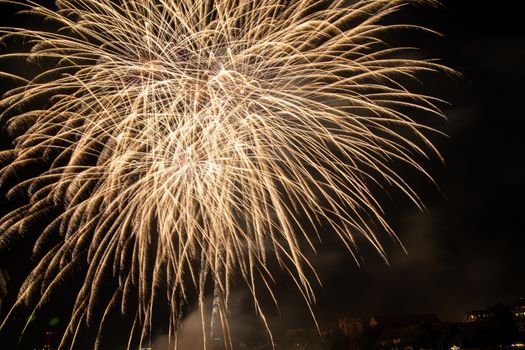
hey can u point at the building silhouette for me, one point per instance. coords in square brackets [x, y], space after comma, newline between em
[350, 326]
[518, 313]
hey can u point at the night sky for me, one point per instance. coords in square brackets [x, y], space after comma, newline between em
[466, 251]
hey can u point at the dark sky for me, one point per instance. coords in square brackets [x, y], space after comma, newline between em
[466, 251]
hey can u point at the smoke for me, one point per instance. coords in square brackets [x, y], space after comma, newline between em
[245, 327]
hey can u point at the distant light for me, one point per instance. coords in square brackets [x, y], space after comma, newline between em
[518, 345]
[454, 347]
[53, 322]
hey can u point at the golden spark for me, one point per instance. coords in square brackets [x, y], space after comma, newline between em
[188, 141]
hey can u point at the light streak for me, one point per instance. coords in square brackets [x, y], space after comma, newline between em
[188, 141]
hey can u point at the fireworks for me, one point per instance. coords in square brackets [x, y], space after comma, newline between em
[186, 142]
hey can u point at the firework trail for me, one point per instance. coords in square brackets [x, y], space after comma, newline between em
[184, 142]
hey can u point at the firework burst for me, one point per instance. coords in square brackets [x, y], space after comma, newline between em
[185, 142]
